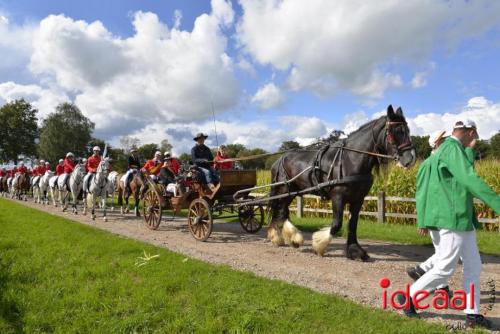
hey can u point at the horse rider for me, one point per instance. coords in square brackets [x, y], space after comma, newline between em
[60, 167]
[47, 167]
[134, 163]
[84, 163]
[222, 160]
[172, 163]
[22, 169]
[41, 168]
[449, 207]
[69, 165]
[153, 166]
[202, 157]
[92, 164]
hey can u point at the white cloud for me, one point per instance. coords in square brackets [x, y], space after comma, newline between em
[157, 75]
[15, 43]
[43, 99]
[304, 127]
[419, 80]
[485, 113]
[269, 96]
[343, 45]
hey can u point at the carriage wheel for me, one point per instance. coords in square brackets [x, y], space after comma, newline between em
[251, 217]
[152, 209]
[200, 219]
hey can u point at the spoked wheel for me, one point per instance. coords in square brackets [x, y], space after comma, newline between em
[152, 209]
[251, 217]
[200, 219]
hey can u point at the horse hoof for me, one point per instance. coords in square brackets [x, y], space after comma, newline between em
[355, 252]
[275, 237]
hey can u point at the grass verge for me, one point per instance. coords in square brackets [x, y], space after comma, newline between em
[60, 276]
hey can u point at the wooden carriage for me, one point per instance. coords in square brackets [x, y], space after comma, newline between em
[204, 205]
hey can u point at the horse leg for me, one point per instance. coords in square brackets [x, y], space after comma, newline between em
[353, 249]
[279, 214]
[291, 235]
[322, 238]
[103, 199]
[93, 206]
[136, 202]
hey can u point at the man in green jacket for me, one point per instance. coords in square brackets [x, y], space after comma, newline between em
[451, 185]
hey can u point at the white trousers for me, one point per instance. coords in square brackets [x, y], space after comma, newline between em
[452, 246]
[429, 263]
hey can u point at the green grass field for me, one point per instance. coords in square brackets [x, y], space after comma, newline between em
[60, 276]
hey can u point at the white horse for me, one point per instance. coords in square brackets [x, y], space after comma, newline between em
[10, 187]
[43, 187]
[54, 190]
[112, 187]
[72, 185]
[98, 187]
[36, 188]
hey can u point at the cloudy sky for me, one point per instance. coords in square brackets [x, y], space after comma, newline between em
[270, 70]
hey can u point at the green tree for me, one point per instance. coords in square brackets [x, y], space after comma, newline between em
[422, 148]
[147, 151]
[483, 149]
[18, 130]
[127, 142]
[119, 159]
[233, 150]
[289, 145]
[495, 146]
[259, 163]
[165, 146]
[185, 157]
[65, 130]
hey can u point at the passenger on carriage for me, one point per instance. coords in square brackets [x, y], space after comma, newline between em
[172, 163]
[60, 167]
[221, 160]
[153, 166]
[134, 164]
[202, 157]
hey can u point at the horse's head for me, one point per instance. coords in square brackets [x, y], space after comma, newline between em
[397, 138]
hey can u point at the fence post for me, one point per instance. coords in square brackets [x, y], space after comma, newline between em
[381, 207]
[300, 206]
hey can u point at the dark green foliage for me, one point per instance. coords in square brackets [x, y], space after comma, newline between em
[422, 147]
[147, 151]
[65, 130]
[495, 146]
[18, 130]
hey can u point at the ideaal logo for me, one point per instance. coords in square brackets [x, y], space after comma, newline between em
[440, 298]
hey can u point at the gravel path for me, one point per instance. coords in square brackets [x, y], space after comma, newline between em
[357, 281]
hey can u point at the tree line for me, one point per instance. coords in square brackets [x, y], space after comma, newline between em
[68, 130]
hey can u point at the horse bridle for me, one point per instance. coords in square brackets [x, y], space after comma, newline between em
[390, 126]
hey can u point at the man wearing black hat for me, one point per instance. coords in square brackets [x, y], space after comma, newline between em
[202, 157]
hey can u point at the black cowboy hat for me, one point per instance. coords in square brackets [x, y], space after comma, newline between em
[200, 135]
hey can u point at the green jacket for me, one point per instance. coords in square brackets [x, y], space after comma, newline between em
[446, 186]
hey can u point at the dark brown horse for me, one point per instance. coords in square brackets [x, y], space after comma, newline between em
[22, 186]
[136, 187]
[4, 188]
[350, 162]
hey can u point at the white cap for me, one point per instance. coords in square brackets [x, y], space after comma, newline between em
[21, 163]
[96, 148]
[61, 160]
[47, 163]
[167, 153]
[157, 153]
[69, 154]
[42, 161]
[468, 124]
[84, 159]
[436, 136]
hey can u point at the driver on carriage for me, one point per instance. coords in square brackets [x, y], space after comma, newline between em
[153, 166]
[134, 164]
[202, 157]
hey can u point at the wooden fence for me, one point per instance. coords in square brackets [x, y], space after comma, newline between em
[381, 212]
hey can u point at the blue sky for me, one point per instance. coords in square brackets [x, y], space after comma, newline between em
[274, 70]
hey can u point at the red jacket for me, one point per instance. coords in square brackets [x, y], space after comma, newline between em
[13, 172]
[41, 170]
[220, 164]
[59, 169]
[153, 167]
[22, 169]
[68, 166]
[92, 163]
[174, 165]
[2, 173]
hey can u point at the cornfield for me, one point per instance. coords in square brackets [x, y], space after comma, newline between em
[396, 181]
